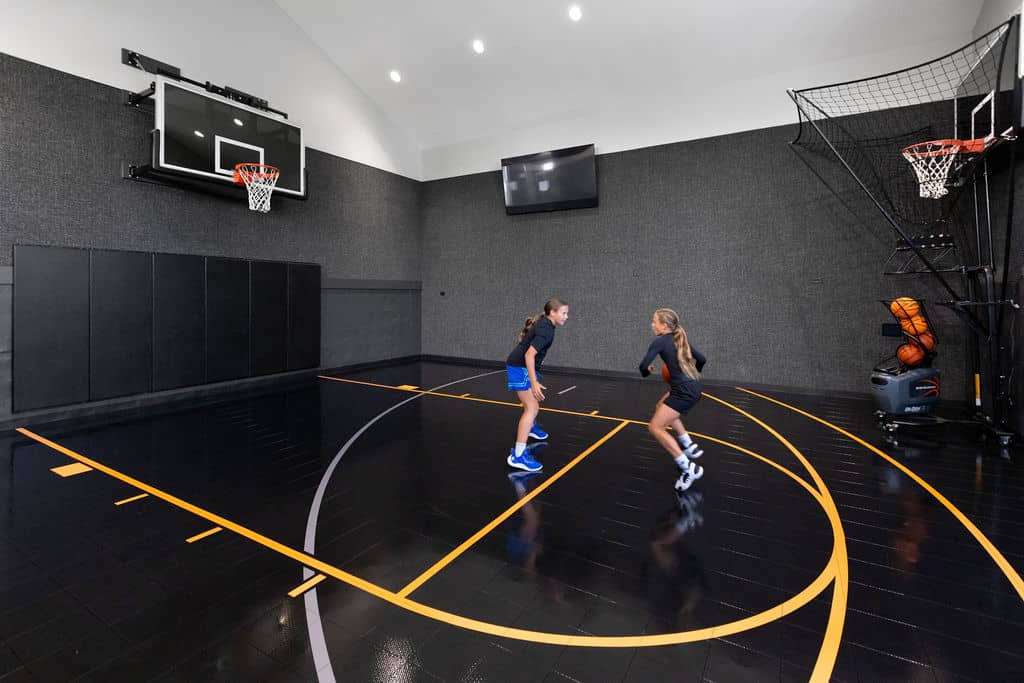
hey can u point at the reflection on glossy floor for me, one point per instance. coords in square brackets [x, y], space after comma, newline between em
[799, 552]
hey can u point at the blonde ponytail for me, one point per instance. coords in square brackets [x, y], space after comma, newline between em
[683, 353]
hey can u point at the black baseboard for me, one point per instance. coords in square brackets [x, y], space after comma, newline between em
[138, 405]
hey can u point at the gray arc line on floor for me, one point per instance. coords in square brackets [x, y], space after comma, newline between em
[314, 622]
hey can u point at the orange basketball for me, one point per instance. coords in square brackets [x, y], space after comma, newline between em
[914, 325]
[904, 307]
[927, 340]
[665, 374]
[910, 354]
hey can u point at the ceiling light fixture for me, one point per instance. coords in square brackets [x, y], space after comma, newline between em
[478, 47]
[575, 13]
[395, 76]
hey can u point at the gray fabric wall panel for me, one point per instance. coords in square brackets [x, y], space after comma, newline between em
[775, 279]
[61, 131]
[120, 323]
[367, 325]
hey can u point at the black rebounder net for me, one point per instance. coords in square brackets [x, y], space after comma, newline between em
[867, 125]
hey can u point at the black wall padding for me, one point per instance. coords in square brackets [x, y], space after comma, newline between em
[120, 324]
[50, 327]
[269, 330]
[303, 316]
[227, 319]
[179, 325]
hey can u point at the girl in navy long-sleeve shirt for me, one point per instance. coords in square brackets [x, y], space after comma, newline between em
[684, 364]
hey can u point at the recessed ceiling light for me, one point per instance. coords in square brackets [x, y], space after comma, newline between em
[478, 46]
[199, 134]
[547, 165]
[575, 13]
[396, 77]
[238, 122]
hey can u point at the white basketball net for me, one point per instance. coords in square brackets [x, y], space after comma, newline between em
[260, 180]
[931, 162]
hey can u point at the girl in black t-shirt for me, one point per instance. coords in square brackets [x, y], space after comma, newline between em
[521, 368]
[684, 364]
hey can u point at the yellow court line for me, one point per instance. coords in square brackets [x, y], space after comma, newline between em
[132, 499]
[484, 400]
[199, 537]
[787, 607]
[70, 470]
[837, 614]
[306, 585]
[990, 548]
[450, 557]
[464, 396]
[593, 412]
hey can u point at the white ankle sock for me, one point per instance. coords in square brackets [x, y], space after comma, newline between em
[683, 462]
[684, 439]
[520, 447]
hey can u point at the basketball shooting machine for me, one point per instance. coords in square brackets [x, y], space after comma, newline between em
[932, 149]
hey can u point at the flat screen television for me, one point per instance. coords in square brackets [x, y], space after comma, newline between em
[550, 181]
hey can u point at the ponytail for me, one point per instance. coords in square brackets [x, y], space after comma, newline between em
[684, 355]
[530, 322]
[551, 304]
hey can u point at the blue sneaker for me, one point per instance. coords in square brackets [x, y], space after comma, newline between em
[523, 462]
[537, 433]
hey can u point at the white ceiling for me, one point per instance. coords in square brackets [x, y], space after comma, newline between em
[541, 67]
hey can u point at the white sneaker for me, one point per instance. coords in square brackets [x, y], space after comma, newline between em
[684, 481]
[693, 451]
[696, 470]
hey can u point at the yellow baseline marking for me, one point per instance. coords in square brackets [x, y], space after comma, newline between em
[787, 607]
[450, 557]
[593, 412]
[464, 396]
[407, 387]
[306, 585]
[841, 569]
[70, 470]
[990, 548]
[132, 499]
[199, 537]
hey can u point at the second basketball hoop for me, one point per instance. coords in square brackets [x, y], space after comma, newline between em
[933, 161]
[259, 179]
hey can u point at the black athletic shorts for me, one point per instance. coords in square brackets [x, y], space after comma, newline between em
[683, 397]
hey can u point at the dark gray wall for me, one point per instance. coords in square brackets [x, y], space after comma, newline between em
[775, 278]
[62, 143]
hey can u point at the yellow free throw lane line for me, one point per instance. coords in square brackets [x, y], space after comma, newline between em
[199, 537]
[829, 652]
[990, 548]
[306, 585]
[465, 545]
[771, 614]
[125, 501]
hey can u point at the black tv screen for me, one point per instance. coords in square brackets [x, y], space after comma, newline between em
[549, 181]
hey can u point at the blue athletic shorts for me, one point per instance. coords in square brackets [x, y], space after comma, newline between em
[518, 378]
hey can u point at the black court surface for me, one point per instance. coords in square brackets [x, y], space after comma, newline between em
[365, 527]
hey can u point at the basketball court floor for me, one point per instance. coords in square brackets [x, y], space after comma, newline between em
[365, 527]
